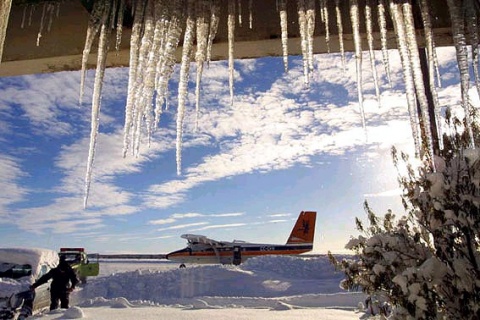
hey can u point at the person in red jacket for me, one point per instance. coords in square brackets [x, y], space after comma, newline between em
[64, 281]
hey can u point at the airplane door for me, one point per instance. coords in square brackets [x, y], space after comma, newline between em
[237, 255]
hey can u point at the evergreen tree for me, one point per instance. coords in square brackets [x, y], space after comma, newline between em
[425, 264]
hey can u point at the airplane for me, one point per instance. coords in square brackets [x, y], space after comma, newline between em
[201, 249]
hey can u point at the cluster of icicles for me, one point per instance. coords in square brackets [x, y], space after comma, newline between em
[159, 24]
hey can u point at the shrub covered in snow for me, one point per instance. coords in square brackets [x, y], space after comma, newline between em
[425, 263]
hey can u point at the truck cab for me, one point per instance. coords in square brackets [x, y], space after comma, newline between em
[78, 259]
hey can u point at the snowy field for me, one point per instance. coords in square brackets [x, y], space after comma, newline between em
[275, 287]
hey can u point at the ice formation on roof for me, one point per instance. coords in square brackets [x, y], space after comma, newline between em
[158, 26]
[4, 14]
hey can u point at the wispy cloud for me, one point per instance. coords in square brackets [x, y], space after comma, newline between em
[387, 193]
[221, 226]
[275, 126]
[183, 226]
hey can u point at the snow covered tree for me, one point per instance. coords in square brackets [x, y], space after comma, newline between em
[425, 264]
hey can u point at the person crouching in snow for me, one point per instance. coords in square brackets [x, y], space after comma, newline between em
[64, 281]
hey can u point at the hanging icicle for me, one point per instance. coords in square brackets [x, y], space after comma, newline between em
[338, 13]
[325, 19]
[302, 24]
[418, 78]
[121, 10]
[458, 23]
[250, 14]
[355, 19]
[200, 56]
[214, 20]
[399, 25]
[310, 16]
[432, 65]
[167, 61]
[231, 42]
[5, 8]
[96, 97]
[382, 24]
[183, 81]
[239, 12]
[368, 23]
[139, 106]
[282, 8]
[471, 20]
[147, 87]
[42, 19]
[132, 73]
[94, 24]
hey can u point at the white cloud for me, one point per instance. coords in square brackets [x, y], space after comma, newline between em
[274, 128]
[183, 226]
[221, 226]
[10, 174]
[387, 193]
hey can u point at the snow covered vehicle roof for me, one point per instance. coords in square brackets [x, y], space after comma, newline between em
[35, 257]
[15, 264]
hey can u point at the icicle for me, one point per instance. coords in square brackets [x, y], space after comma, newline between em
[121, 10]
[132, 74]
[325, 19]
[250, 14]
[472, 26]
[200, 56]
[145, 98]
[418, 75]
[310, 16]
[214, 19]
[240, 13]
[96, 98]
[24, 16]
[51, 11]
[340, 32]
[139, 105]
[355, 19]
[459, 40]
[32, 10]
[41, 23]
[231, 42]
[368, 23]
[113, 13]
[398, 23]
[282, 7]
[382, 23]
[57, 13]
[94, 23]
[5, 8]
[322, 13]
[437, 69]
[167, 60]
[302, 24]
[163, 14]
[432, 64]
[183, 81]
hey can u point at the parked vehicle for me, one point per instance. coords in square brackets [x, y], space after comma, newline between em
[81, 262]
[20, 268]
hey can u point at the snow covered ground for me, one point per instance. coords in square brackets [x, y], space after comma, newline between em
[275, 287]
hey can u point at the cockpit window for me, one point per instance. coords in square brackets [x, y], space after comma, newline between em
[14, 271]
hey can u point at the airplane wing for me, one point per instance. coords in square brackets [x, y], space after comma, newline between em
[202, 239]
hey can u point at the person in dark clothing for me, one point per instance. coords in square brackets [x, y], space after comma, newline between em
[64, 281]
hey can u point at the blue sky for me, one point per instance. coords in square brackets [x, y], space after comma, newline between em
[248, 170]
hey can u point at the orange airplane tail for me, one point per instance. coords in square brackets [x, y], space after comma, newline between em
[304, 228]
